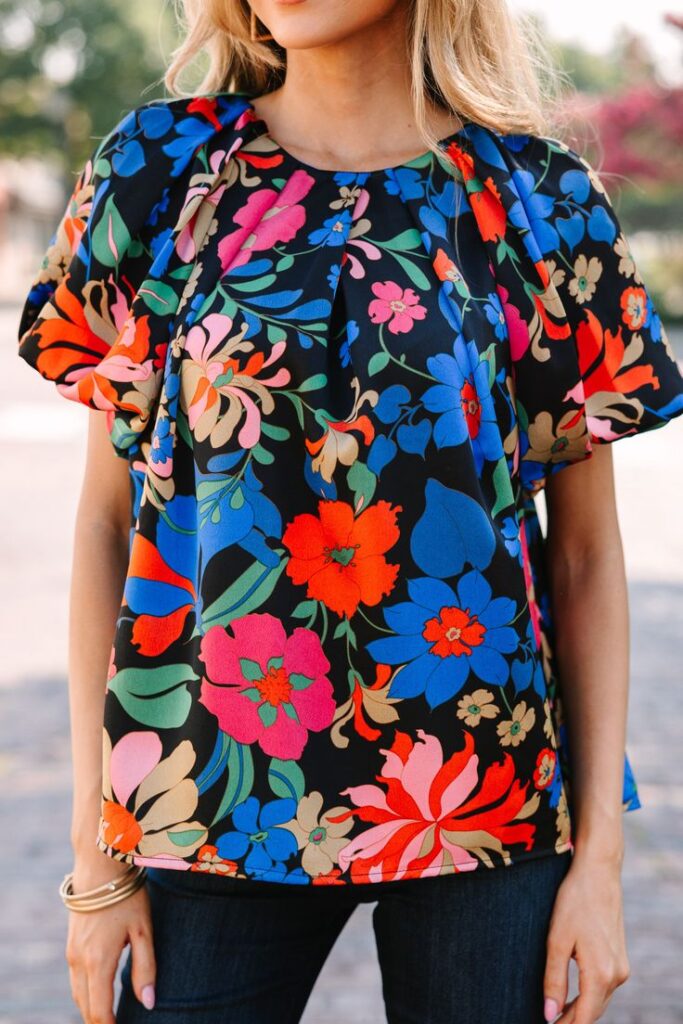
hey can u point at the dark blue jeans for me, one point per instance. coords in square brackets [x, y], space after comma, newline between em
[454, 949]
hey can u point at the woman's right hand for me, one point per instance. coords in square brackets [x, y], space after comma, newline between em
[97, 937]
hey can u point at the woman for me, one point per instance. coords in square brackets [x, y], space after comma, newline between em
[331, 398]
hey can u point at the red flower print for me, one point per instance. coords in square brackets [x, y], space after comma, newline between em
[634, 306]
[471, 407]
[432, 812]
[148, 574]
[604, 364]
[331, 878]
[545, 768]
[453, 631]
[120, 828]
[445, 268]
[485, 200]
[340, 557]
[210, 862]
[400, 308]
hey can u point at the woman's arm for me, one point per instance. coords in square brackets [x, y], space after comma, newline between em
[96, 938]
[590, 603]
[97, 579]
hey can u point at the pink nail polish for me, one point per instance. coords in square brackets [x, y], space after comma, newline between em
[550, 1009]
[148, 997]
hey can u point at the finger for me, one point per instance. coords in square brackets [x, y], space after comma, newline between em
[143, 966]
[590, 1003]
[555, 979]
[101, 990]
[79, 991]
[569, 1014]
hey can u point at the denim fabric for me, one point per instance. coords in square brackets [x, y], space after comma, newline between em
[465, 949]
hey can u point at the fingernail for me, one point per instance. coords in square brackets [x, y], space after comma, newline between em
[148, 997]
[550, 1009]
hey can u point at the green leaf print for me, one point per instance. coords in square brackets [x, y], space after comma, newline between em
[407, 240]
[240, 779]
[187, 836]
[156, 697]
[286, 779]
[304, 609]
[258, 284]
[501, 481]
[159, 297]
[377, 363]
[420, 280]
[362, 482]
[249, 590]
[318, 380]
[110, 236]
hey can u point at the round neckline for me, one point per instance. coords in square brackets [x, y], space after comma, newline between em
[294, 161]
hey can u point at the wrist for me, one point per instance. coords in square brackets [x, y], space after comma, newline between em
[607, 848]
[83, 843]
[94, 867]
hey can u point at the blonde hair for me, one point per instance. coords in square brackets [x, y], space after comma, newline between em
[470, 56]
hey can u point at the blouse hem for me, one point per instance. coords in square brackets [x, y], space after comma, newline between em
[271, 876]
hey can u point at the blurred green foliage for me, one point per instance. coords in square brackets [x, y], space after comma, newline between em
[69, 69]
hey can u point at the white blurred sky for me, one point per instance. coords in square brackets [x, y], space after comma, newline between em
[593, 23]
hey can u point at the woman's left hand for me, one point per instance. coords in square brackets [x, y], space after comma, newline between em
[587, 924]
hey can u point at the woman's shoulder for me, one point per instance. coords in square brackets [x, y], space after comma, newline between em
[166, 131]
[538, 167]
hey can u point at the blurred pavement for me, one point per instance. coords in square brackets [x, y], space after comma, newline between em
[42, 440]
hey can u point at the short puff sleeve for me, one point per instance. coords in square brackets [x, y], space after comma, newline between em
[75, 328]
[599, 365]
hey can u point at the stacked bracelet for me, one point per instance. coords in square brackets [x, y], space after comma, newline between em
[104, 895]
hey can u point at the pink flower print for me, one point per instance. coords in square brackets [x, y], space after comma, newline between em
[518, 329]
[266, 687]
[400, 308]
[267, 217]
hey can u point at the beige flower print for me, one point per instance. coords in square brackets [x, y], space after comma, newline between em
[587, 273]
[627, 265]
[513, 730]
[348, 195]
[550, 444]
[555, 273]
[162, 786]
[550, 297]
[548, 729]
[563, 821]
[338, 444]
[472, 707]
[320, 839]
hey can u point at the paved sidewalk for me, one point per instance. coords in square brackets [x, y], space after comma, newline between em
[44, 468]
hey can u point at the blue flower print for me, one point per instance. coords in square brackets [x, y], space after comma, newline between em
[496, 316]
[257, 835]
[352, 332]
[464, 400]
[443, 635]
[533, 210]
[510, 531]
[334, 230]
[161, 447]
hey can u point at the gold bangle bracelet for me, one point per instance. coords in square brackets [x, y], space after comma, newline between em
[103, 895]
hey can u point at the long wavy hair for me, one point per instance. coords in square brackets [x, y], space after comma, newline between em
[472, 57]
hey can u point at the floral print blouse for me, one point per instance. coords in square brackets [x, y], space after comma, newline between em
[338, 394]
